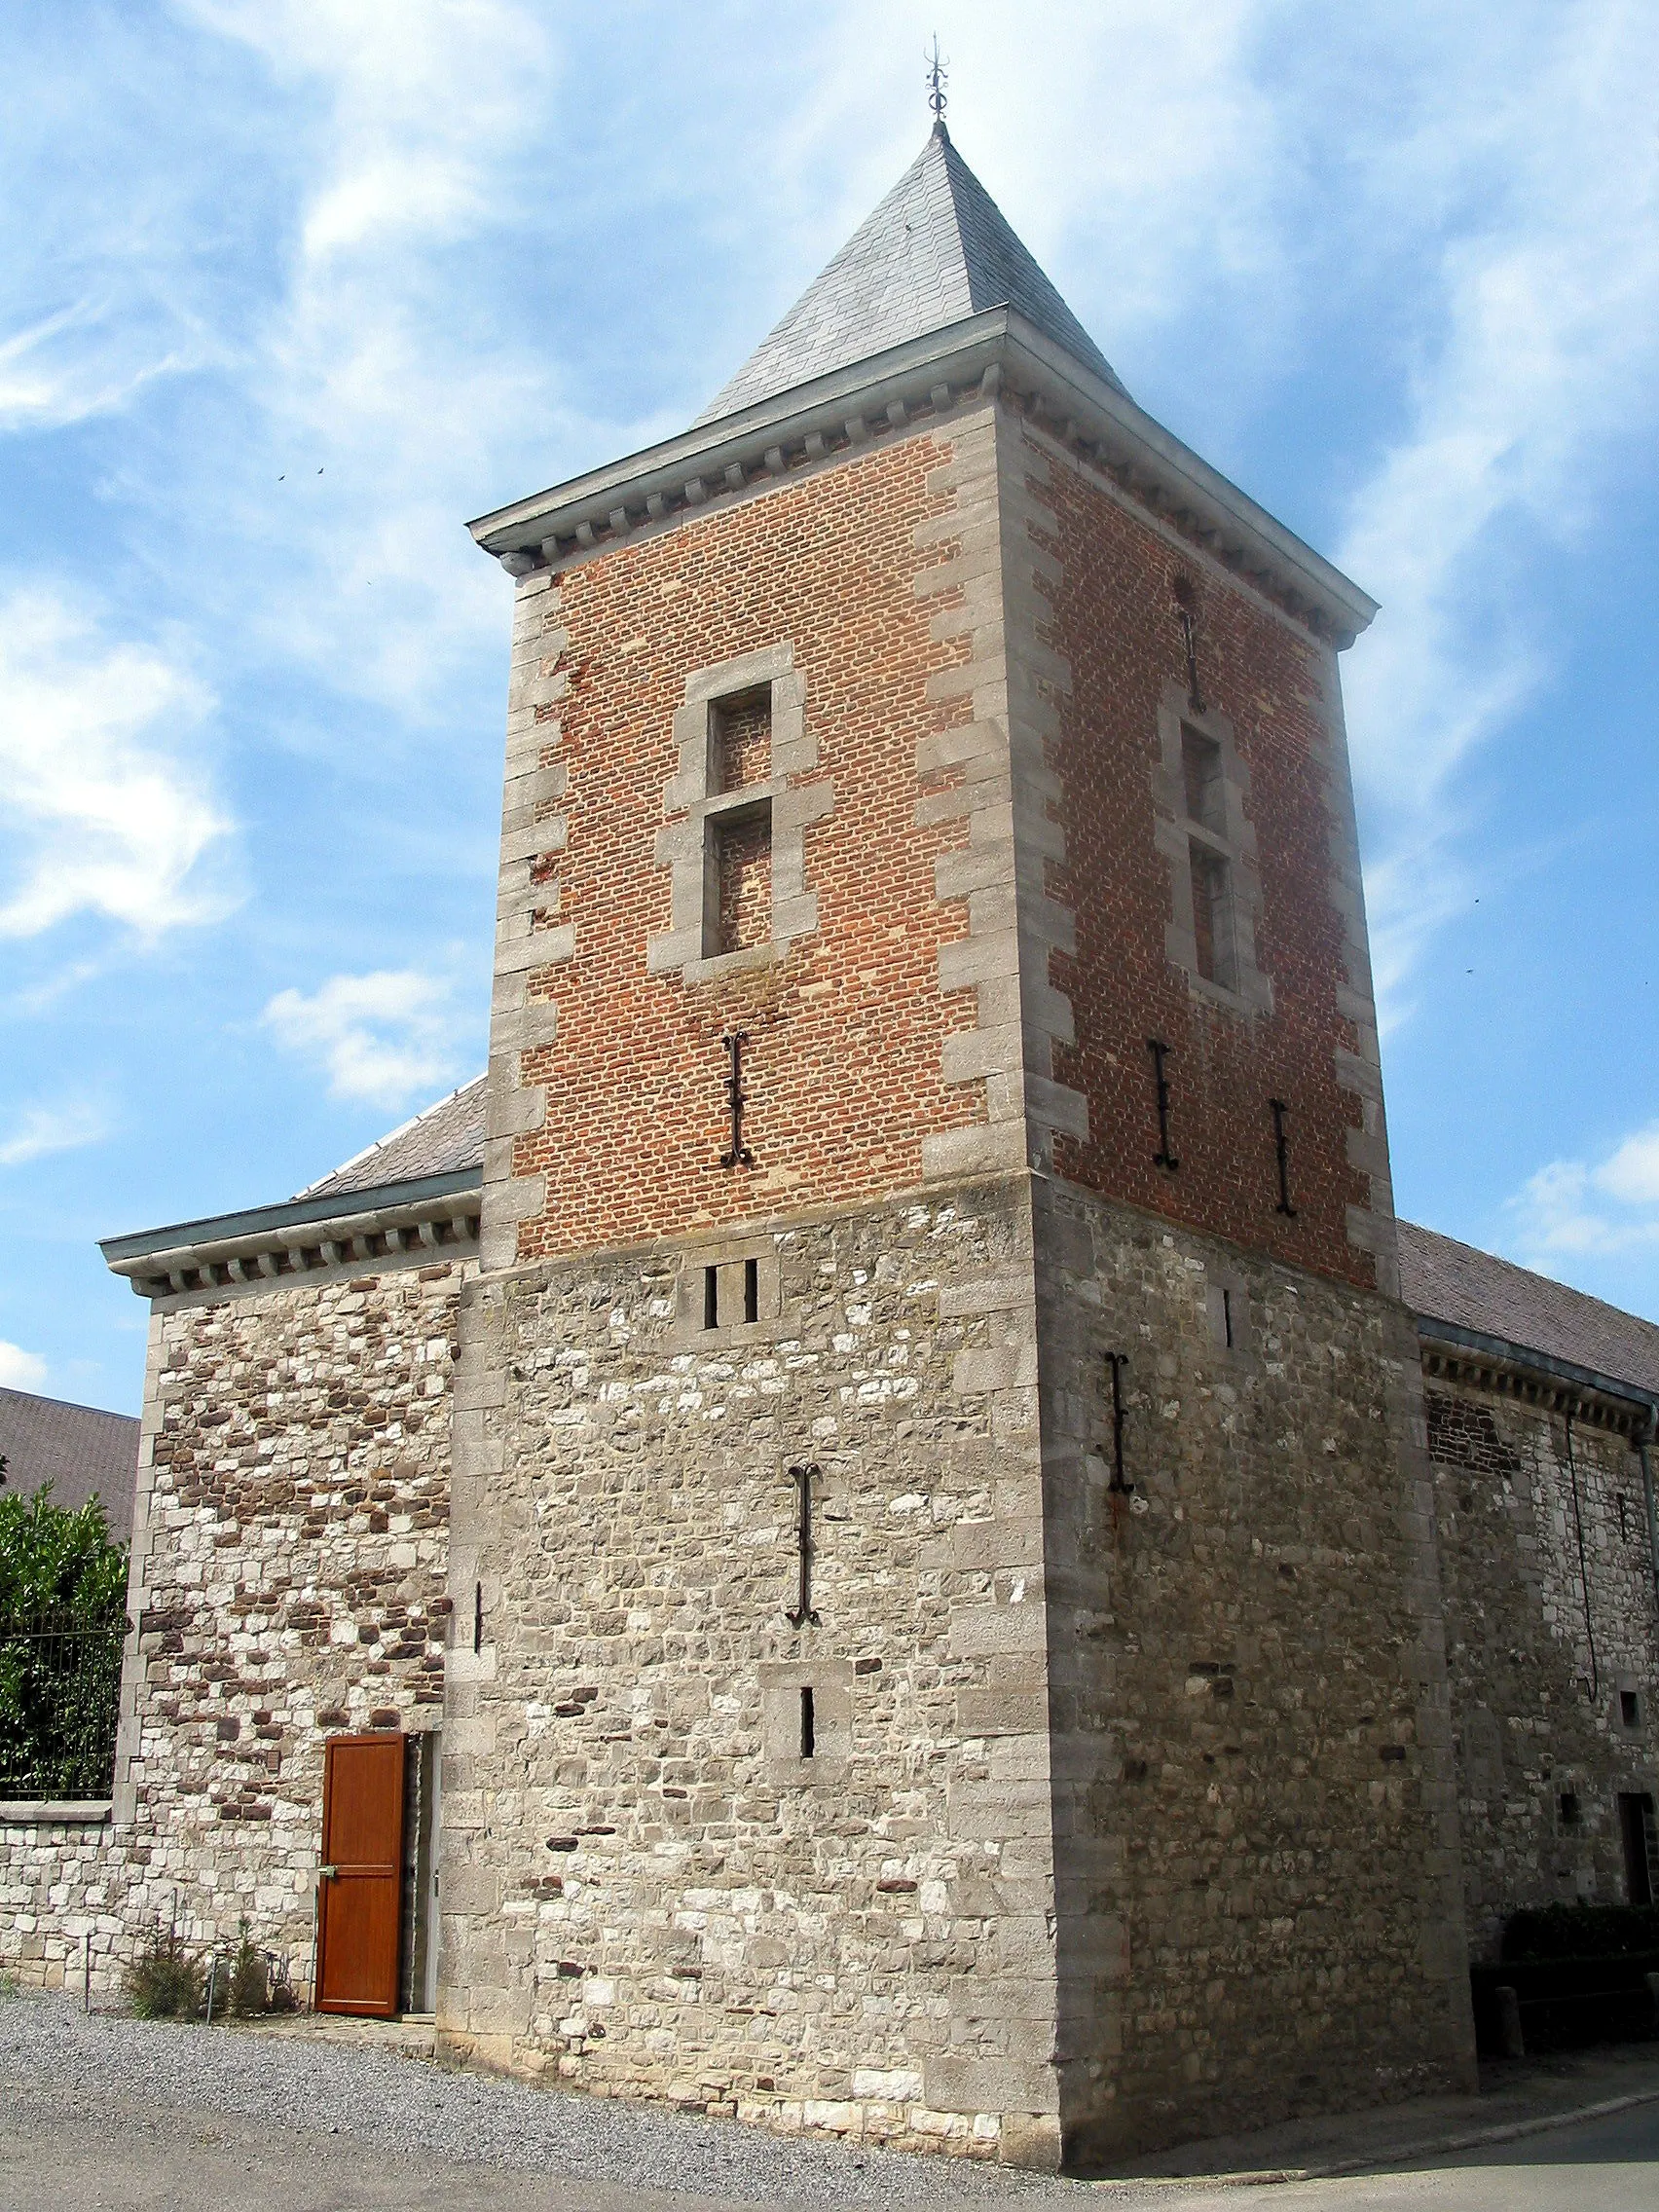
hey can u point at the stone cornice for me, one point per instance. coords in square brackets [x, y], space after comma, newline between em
[1457, 1354]
[997, 352]
[434, 1216]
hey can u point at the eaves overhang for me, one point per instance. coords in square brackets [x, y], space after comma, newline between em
[929, 378]
[436, 1214]
[1556, 1385]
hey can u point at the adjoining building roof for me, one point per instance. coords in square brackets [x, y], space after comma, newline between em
[442, 1138]
[81, 1450]
[937, 251]
[1443, 1281]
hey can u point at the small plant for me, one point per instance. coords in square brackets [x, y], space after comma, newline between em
[163, 1982]
[247, 1989]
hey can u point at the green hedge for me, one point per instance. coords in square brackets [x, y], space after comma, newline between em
[62, 1625]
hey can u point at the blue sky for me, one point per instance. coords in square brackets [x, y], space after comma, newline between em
[292, 287]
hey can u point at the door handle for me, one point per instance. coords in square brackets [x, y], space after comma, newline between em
[328, 1873]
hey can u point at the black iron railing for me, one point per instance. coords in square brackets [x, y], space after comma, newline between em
[60, 1704]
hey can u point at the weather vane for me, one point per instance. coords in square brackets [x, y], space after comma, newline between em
[937, 74]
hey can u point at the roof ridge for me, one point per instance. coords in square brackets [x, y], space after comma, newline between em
[934, 251]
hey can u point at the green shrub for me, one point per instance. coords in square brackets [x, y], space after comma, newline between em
[163, 1982]
[247, 1987]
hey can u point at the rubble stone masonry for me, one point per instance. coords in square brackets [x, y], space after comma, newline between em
[645, 1886]
[1544, 1644]
[288, 1583]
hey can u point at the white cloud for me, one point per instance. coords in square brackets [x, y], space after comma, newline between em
[1538, 359]
[43, 1129]
[105, 812]
[1574, 1209]
[20, 1370]
[380, 1038]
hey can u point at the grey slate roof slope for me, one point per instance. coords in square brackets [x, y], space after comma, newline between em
[936, 251]
[80, 1450]
[446, 1137]
[1447, 1281]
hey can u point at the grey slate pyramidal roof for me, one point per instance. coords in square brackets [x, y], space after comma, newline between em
[936, 251]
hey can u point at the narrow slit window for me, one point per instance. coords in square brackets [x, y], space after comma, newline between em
[478, 1617]
[808, 1725]
[1630, 1708]
[741, 880]
[1624, 1516]
[711, 1298]
[751, 1290]
[1227, 1317]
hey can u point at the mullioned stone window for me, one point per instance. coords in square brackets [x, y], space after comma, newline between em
[1215, 886]
[735, 844]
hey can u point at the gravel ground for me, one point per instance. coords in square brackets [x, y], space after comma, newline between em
[59, 2066]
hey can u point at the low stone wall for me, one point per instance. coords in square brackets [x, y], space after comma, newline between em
[64, 1878]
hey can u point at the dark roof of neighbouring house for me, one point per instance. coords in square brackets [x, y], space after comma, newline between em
[1443, 1281]
[81, 1450]
[937, 251]
[443, 1138]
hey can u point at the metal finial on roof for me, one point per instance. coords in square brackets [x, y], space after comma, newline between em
[938, 75]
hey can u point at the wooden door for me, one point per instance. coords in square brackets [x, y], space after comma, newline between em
[361, 1886]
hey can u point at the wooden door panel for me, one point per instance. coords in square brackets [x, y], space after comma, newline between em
[360, 1890]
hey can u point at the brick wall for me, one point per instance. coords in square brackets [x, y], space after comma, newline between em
[1533, 1718]
[1109, 609]
[847, 1027]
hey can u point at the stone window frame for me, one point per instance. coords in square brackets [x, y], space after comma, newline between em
[773, 1317]
[830, 1681]
[1235, 842]
[687, 846]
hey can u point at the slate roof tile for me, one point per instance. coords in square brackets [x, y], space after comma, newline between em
[81, 1450]
[937, 251]
[1448, 1281]
[443, 1138]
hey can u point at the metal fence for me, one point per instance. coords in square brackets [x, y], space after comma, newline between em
[60, 1704]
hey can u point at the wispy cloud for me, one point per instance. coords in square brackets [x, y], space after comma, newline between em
[105, 813]
[1576, 1209]
[42, 1129]
[20, 1370]
[379, 1038]
[1542, 357]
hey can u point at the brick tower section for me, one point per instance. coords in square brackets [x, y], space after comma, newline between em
[1082, 1802]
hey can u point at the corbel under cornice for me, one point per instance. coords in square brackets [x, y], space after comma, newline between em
[997, 352]
[435, 1216]
[1455, 1354]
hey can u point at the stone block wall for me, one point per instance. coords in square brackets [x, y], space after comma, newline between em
[1542, 1646]
[289, 1582]
[645, 1887]
[61, 1882]
[1256, 1852]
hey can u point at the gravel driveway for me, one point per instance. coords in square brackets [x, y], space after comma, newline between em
[219, 2118]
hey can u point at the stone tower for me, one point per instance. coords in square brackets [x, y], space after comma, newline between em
[948, 1642]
